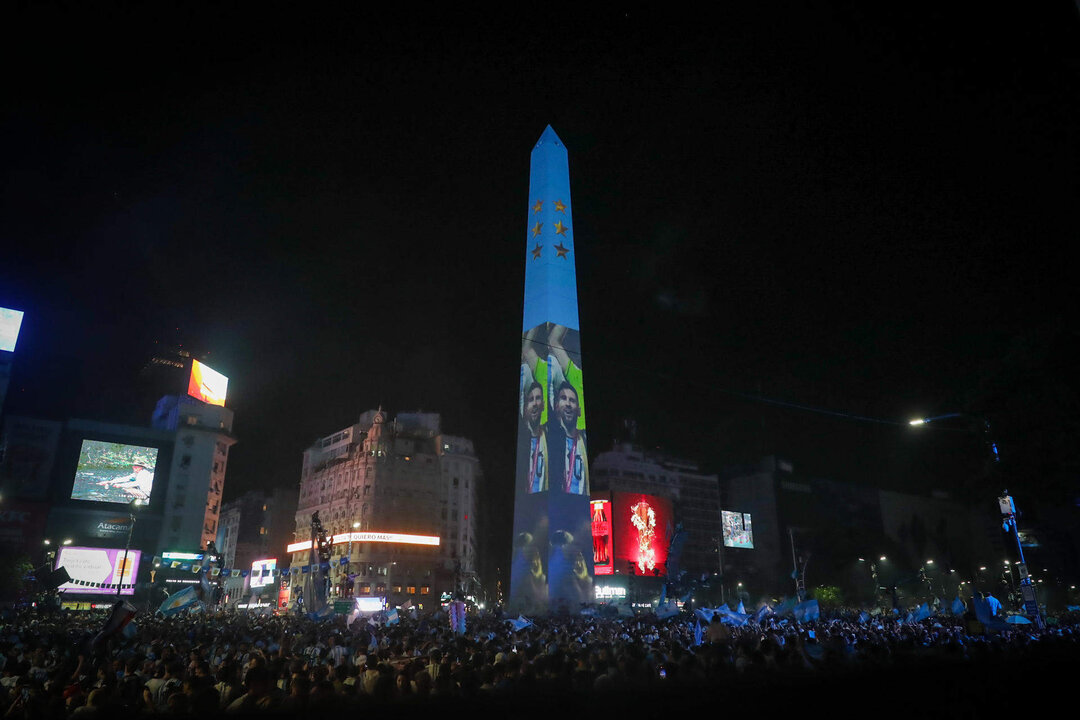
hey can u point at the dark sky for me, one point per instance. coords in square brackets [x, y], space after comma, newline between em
[851, 208]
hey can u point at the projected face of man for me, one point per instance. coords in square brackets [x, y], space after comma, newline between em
[567, 408]
[534, 406]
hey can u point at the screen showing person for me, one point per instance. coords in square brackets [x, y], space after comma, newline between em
[738, 530]
[533, 410]
[553, 557]
[569, 463]
[114, 472]
[262, 572]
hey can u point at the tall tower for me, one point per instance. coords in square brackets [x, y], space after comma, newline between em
[552, 564]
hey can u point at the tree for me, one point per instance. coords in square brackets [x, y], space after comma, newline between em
[828, 595]
[14, 570]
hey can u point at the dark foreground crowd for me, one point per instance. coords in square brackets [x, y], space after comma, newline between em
[206, 664]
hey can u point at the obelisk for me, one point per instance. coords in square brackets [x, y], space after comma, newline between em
[552, 563]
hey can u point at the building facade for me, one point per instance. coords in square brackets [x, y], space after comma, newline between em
[810, 531]
[695, 497]
[398, 498]
[197, 476]
[257, 526]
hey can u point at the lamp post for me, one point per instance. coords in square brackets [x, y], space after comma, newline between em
[132, 507]
[1027, 586]
[348, 584]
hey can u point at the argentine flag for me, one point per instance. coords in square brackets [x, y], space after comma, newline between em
[520, 623]
[179, 601]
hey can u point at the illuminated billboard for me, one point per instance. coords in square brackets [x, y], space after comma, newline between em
[262, 572]
[10, 322]
[642, 526]
[553, 542]
[738, 532]
[603, 557]
[96, 571]
[207, 384]
[378, 537]
[114, 472]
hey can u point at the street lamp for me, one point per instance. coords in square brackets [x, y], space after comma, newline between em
[348, 563]
[134, 505]
[1027, 587]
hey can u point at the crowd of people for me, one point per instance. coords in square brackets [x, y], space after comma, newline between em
[207, 663]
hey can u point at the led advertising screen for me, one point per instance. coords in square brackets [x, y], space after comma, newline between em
[114, 472]
[207, 384]
[10, 322]
[553, 549]
[96, 571]
[738, 532]
[642, 526]
[603, 557]
[262, 572]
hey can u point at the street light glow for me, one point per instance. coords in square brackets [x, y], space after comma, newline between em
[917, 422]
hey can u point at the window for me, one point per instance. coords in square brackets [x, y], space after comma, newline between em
[412, 589]
[425, 590]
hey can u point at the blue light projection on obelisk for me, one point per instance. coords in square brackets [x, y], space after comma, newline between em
[552, 564]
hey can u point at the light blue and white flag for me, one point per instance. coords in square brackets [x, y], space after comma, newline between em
[958, 607]
[921, 613]
[179, 601]
[324, 613]
[520, 623]
[786, 607]
[392, 617]
[807, 611]
[667, 610]
[705, 614]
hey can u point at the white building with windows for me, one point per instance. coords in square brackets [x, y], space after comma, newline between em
[197, 475]
[398, 498]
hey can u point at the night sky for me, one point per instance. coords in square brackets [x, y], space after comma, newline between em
[861, 210]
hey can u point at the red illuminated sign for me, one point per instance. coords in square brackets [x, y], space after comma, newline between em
[601, 537]
[642, 526]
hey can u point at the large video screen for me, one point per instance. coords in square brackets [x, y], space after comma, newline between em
[114, 472]
[207, 384]
[258, 578]
[642, 528]
[738, 532]
[553, 546]
[10, 322]
[96, 571]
